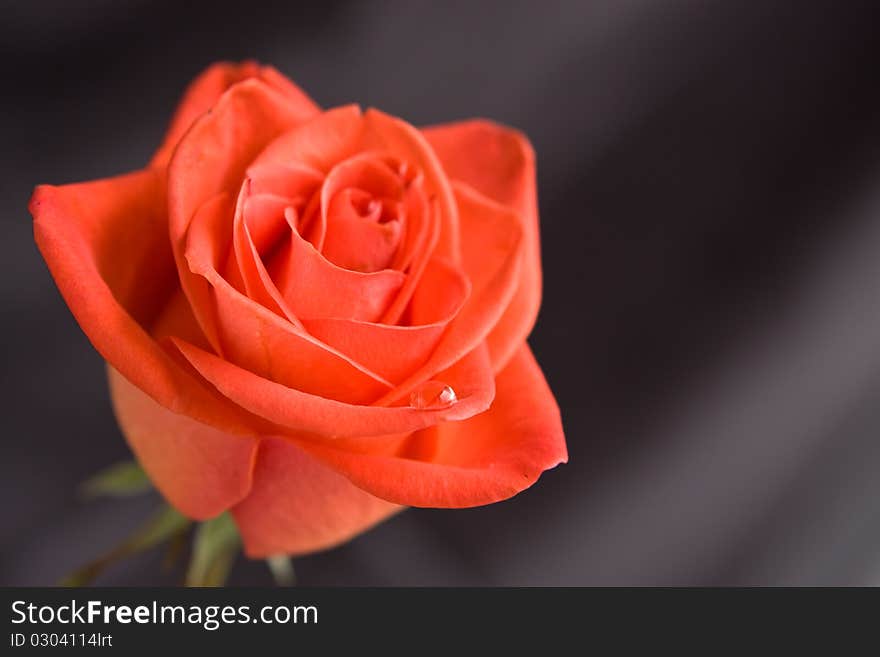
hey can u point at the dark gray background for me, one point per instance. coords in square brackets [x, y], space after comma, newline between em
[709, 181]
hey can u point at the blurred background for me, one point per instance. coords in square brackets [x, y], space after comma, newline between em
[709, 186]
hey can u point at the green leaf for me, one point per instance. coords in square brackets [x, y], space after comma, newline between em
[215, 548]
[164, 524]
[282, 570]
[119, 480]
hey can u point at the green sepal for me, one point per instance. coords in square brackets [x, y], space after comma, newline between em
[215, 547]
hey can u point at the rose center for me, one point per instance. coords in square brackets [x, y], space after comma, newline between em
[363, 212]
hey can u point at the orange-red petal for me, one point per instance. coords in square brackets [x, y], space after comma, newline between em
[394, 351]
[256, 338]
[297, 411]
[245, 261]
[361, 234]
[487, 458]
[388, 133]
[200, 470]
[319, 143]
[212, 158]
[315, 287]
[298, 505]
[500, 163]
[105, 243]
[204, 91]
[491, 257]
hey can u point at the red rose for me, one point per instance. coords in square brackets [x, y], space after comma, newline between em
[313, 317]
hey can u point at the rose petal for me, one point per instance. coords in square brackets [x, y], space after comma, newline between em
[338, 134]
[352, 206]
[105, 243]
[289, 180]
[491, 257]
[212, 158]
[131, 256]
[200, 470]
[319, 143]
[390, 351]
[207, 88]
[251, 234]
[421, 235]
[314, 287]
[487, 458]
[387, 133]
[500, 163]
[257, 339]
[471, 378]
[177, 319]
[416, 207]
[395, 351]
[298, 505]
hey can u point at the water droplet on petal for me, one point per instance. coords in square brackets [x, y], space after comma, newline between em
[432, 395]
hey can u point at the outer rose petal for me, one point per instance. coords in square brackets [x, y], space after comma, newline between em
[105, 243]
[485, 459]
[298, 505]
[207, 88]
[200, 470]
[500, 163]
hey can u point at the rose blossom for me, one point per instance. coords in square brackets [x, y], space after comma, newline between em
[313, 318]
